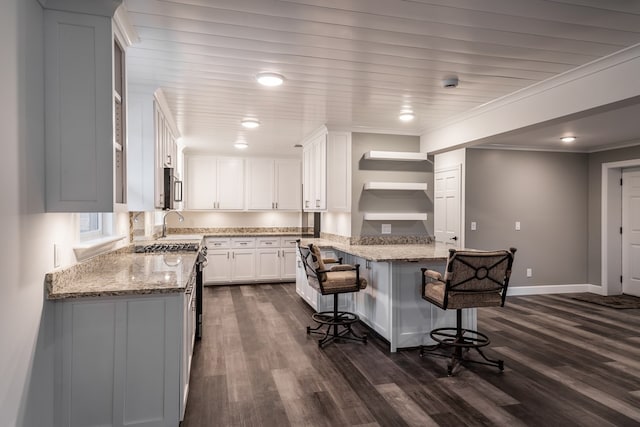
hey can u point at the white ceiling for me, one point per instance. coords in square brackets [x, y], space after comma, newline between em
[355, 63]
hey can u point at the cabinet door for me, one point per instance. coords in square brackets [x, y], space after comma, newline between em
[218, 268]
[243, 266]
[288, 260]
[338, 168]
[200, 182]
[287, 179]
[268, 264]
[79, 107]
[230, 183]
[320, 173]
[307, 173]
[260, 184]
[372, 303]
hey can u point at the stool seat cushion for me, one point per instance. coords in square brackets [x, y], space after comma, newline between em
[435, 292]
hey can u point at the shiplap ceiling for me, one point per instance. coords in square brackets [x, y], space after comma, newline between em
[355, 63]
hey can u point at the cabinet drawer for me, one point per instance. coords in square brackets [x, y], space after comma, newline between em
[288, 242]
[268, 242]
[218, 242]
[243, 242]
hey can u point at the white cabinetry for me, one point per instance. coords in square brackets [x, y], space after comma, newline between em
[327, 171]
[250, 259]
[152, 147]
[214, 183]
[372, 303]
[339, 171]
[314, 154]
[123, 361]
[273, 184]
[84, 119]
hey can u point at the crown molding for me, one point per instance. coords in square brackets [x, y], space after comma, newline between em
[90, 7]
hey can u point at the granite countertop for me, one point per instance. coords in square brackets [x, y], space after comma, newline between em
[122, 273]
[408, 252]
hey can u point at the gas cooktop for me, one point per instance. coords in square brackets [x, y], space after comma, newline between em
[167, 247]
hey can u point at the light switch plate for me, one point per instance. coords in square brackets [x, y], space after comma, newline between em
[474, 226]
[517, 225]
[529, 272]
[386, 229]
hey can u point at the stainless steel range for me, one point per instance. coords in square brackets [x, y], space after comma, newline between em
[167, 247]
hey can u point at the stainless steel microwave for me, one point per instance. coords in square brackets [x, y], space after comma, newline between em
[172, 189]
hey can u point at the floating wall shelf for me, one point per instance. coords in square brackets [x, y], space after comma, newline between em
[420, 186]
[404, 156]
[395, 216]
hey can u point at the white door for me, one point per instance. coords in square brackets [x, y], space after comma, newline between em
[631, 231]
[446, 221]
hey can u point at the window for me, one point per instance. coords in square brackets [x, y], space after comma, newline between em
[90, 226]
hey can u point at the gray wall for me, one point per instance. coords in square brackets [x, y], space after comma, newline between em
[388, 200]
[548, 193]
[595, 200]
[26, 319]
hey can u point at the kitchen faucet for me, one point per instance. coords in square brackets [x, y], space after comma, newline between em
[164, 222]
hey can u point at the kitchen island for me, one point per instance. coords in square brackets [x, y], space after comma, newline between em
[124, 336]
[391, 304]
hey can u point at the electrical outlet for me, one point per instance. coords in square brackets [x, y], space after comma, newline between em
[56, 256]
[474, 226]
[386, 229]
[529, 272]
[517, 225]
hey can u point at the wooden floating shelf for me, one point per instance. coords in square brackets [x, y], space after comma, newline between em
[404, 156]
[420, 186]
[395, 216]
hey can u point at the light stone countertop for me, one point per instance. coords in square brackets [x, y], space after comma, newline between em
[120, 274]
[380, 253]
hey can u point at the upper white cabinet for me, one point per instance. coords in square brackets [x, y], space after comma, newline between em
[273, 184]
[85, 111]
[152, 147]
[327, 171]
[214, 183]
[314, 154]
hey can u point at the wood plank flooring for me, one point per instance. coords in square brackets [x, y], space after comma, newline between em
[567, 363]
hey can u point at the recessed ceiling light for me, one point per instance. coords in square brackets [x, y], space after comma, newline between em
[406, 116]
[568, 139]
[250, 123]
[270, 79]
[240, 144]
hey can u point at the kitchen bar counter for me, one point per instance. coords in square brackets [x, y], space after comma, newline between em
[378, 253]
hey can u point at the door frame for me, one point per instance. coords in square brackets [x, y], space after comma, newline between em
[611, 208]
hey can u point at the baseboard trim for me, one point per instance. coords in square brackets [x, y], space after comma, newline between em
[554, 289]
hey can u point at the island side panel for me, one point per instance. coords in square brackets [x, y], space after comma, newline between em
[413, 318]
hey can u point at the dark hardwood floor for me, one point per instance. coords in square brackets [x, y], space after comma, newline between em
[566, 363]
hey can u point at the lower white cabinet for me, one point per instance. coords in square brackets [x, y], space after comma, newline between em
[250, 260]
[123, 361]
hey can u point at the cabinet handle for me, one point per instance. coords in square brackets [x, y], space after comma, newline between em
[317, 203]
[169, 159]
[227, 255]
[233, 255]
[273, 205]
[276, 205]
[306, 203]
